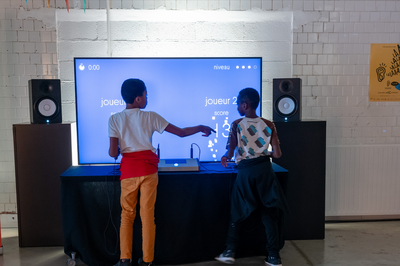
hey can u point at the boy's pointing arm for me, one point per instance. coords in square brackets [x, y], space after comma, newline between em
[187, 131]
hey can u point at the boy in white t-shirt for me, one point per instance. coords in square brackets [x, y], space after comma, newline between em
[256, 186]
[130, 131]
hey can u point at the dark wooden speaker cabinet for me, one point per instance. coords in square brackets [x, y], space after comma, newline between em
[42, 152]
[303, 147]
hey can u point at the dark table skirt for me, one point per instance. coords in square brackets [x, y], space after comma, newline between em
[191, 214]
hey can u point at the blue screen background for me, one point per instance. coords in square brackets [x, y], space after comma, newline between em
[185, 91]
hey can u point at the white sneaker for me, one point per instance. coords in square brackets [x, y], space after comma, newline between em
[273, 261]
[227, 257]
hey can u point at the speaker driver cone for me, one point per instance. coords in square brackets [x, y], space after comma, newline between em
[286, 106]
[47, 107]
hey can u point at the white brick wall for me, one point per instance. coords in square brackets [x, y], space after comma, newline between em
[27, 50]
[330, 53]
[172, 33]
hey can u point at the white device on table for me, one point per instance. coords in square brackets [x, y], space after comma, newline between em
[174, 165]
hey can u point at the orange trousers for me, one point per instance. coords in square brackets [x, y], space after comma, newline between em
[129, 197]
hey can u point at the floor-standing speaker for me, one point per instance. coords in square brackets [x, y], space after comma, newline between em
[303, 146]
[287, 100]
[45, 101]
[41, 153]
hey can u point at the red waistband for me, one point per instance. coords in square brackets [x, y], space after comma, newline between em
[139, 163]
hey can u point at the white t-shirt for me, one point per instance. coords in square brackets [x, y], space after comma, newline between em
[134, 129]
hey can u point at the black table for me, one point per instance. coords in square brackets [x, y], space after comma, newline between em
[191, 214]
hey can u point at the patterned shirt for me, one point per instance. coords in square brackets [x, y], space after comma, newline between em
[252, 137]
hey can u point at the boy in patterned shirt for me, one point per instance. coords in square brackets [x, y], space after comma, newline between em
[256, 185]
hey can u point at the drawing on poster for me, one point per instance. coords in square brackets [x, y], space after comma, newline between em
[384, 82]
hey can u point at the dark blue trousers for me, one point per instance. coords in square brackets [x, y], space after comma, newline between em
[272, 219]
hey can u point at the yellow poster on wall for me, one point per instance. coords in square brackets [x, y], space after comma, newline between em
[384, 73]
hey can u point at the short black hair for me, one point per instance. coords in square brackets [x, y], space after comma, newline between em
[249, 96]
[132, 88]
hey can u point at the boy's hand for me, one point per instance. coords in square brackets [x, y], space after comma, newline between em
[224, 161]
[207, 131]
[119, 152]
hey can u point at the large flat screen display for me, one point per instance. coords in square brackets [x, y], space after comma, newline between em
[185, 91]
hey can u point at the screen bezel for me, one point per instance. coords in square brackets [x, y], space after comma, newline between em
[150, 58]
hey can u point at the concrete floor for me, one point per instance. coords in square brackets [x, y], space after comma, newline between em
[350, 243]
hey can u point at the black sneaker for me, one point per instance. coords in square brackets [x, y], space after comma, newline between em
[228, 257]
[273, 261]
[142, 263]
[124, 263]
